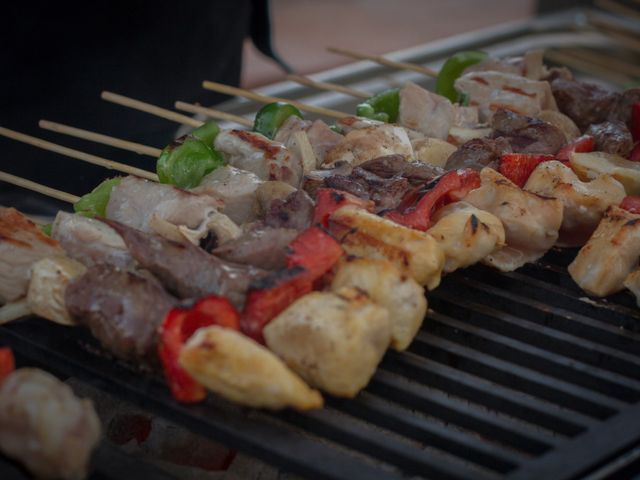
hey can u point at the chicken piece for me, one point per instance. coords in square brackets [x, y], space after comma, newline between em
[263, 248]
[530, 65]
[49, 279]
[334, 341]
[611, 254]
[290, 126]
[459, 135]
[236, 189]
[432, 151]
[590, 166]
[349, 124]
[632, 282]
[295, 211]
[466, 234]
[239, 369]
[22, 243]
[322, 140]
[255, 153]
[45, 426]
[531, 222]
[386, 286]
[492, 90]
[563, 123]
[367, 235]
[584, 202]
[465, 117]
[358, 146]
[425, 111]
[90, 241]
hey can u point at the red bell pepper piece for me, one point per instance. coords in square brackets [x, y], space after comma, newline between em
[517, 167]
[635, 121]
[634, 156]
[175, 330]
[583, 144]
[315, 250]
[7, 363]
[631, 203]
[328, 200]
[451, 187]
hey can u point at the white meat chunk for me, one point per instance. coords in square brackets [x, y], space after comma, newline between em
[251, 151]
[236, 189]
[425, 111]
[359, 146]
[90, 241]
[45, 426]
[388, 287]
[632, 282]
[466, 234]
[531, 222]
[322, 140]
[22, 244]
[349, 124]
[290, 126]
[490, 91]
[530, 65]
[612, 253]
[584, 202]
[239, 369]
[332, 340]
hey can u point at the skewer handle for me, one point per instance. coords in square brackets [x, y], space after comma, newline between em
[217, 114]
[385, 61]
[38, 187]
[331, 87]
[148, 108]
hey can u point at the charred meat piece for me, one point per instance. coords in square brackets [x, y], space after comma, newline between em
[263, 248]
[478, 153]
[121, 308]
[294, 212]
[187, 270]
[391, 166]
[22, 244]
[527, 134]
[612, 137]
[621, 109]
[585, 103]
[45, 426]
[90, 241]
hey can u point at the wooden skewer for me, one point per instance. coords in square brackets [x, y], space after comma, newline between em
[587, 67]
[100, 138]
[385, 61]
[331, 87]
[617, 8]
[229, 117]
[77, 154]
[619, 33]
[148, 108]
[605, 61]
[37, 187]
[241, 92]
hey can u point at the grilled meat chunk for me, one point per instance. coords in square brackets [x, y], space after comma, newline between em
[611, 254]
[478, 153]
[585, 103]
[526, 134]
[530, 65]
[322, 140]
[90, 241]
[293, 212]
[390, 166]
[621, 109]
[263, 248]
[45, 426]
[187, 270]
[611, 137]
[425, 111]
[632, 282]
[22, 244]
[290, 126]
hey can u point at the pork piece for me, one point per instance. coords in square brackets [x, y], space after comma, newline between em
[334, 341]
[386, 193]
[391, 166]
[611, 137]
[584, 202]
[45, 426]
[584, 103]
[22, 244]
[294, 212]
[526, 134]
[90, 241]
[290, 126]
[621, 109]
[263, 248]
[490, 91]
[187, 270]
[236, 189]
[251, 151]
[123, 309]
[611, 254]
[478, 154]
[632, 282]
[322, 140]
[531, 222]
[424, 111]
[530, 65]
[466, 234]
[358, 146]
[386, 286]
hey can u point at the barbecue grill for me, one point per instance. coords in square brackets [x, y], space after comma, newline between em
[515, 376]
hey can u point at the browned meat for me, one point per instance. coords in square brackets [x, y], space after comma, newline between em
[263, 248]
[478, 153]
[612, 137]
[184, 269]
[585, 103]
[121, 308]
[21, 245]
[558, 72]
[621, 110]
[295, 211]
[526, 134]
[394, 165]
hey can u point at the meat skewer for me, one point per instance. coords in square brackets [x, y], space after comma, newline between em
[385, 61]
[331, 87]
[152, 109]
[37, 187]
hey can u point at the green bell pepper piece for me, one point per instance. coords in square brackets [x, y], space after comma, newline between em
[383, 107]
[452, 69]
[207, 133]
[94, 203]
[186, 161]
[47, 229]
[271, 117]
